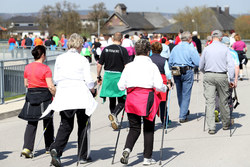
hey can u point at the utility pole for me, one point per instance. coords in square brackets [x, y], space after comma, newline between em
[98, 24]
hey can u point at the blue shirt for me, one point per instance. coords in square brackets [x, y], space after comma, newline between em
[184, 55]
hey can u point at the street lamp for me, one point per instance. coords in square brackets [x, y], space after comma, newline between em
[196, 25]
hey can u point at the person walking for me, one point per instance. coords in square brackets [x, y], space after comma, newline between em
[165, 49]
[139, 78]
[162, 65]
[216, 61]
[182, 60]
[114, 58]
[241, 48]
[128, 44]
[197, 41]
[74, 87]
[96, 47]
[38, 80]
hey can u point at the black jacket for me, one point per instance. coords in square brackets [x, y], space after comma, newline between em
[37, 101]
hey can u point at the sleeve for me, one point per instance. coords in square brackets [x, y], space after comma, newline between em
[171, 58]
[25, 75]
[158, 82]
[122, 84]
[233, 46]
[56, 75]
[230, 66]
[195, 57]
[202, 61]
[48, 73]
[102, 57]
[125, 56]
[167, 71]
[87, 74]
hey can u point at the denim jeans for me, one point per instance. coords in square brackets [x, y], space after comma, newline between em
[184, 85]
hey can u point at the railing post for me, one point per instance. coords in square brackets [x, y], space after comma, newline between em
[2, 81]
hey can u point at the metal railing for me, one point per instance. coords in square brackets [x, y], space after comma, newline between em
[12, 70]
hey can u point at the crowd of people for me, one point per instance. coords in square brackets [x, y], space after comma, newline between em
[138, 74]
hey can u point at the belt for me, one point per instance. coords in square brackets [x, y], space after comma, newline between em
[216, 72]
[187, 68]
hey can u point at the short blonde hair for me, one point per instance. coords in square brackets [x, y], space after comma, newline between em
[237, 37]
[75, 41]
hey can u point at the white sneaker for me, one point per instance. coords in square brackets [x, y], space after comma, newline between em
[125, 156]
[148, 161]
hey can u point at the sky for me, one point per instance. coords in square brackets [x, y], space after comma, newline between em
[165, 6]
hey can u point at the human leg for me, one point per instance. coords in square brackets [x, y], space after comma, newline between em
[49, 132]
[209, 94]
[112, 104]
[82, 119]
[148, 131]
[64, 131]
[178, 83]
[187, 84]
[223, 92]
[30, 135]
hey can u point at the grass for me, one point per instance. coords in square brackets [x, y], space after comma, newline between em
[13, 97]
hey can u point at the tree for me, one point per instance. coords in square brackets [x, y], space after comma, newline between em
[242, 26]
[200, 19]
[62, 18]
[99, 12]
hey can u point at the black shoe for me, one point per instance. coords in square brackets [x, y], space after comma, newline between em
[188, 113]
[85, 160]
[55, 158]
[125, 155]
[211, 132]
[183, 120]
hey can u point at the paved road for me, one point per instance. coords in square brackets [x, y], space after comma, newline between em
[184, 145]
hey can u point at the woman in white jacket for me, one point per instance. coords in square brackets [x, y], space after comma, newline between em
[73, 97]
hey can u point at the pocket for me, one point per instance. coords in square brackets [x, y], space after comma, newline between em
[176, 71]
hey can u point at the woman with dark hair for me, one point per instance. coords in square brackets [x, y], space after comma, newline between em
[140, 77]
[241, 48]
[38, 80]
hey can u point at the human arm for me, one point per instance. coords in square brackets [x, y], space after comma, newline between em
[202, 61]
[99, 70]
[122, 84]
[230, 66]
[157, 80]
[51, 86]
[26, 84]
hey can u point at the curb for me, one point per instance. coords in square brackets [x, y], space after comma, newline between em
[9, 114]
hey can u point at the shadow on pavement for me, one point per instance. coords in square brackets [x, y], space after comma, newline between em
[4, 154]
[168, 154]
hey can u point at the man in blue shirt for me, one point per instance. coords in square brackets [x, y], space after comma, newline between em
[184, 57]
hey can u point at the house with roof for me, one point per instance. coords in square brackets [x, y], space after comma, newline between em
[25, 25]
[130, 22]
[222, 21]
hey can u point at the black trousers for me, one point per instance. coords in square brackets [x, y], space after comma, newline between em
[163, 110]
[135, 131]
[114, 109]
[30, 134]
[65, 129]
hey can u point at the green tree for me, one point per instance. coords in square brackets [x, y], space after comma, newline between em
[200, 19]
[61, 18]
[242, 26]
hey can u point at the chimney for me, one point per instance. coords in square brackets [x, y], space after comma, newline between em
[219, 10]
[226, 10]
[121, 9]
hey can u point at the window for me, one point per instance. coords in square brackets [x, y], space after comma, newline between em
[17, 25]
[31, 25]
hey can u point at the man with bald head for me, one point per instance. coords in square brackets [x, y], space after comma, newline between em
[114, 58]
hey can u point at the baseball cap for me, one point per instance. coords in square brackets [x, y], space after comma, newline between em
[225, 40]
[194, 33]
[216, 33]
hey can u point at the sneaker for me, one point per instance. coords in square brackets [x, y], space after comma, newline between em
[27, 153]
[148, 161]
[55, 158]
[211, 132]
[114, 122]
[85, 160]
[216, 112]
[225, 127]
[125, 155]
[183, 120]
[47, 151]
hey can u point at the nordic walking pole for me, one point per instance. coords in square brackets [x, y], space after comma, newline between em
[165, 122]
[118, 137]
[41, 137]
[205, 119]
[197, 91]
[84, 135]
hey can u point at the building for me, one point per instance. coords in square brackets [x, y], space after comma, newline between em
[222, 21]
[130, 22]
[25, 25]
[86, 21]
